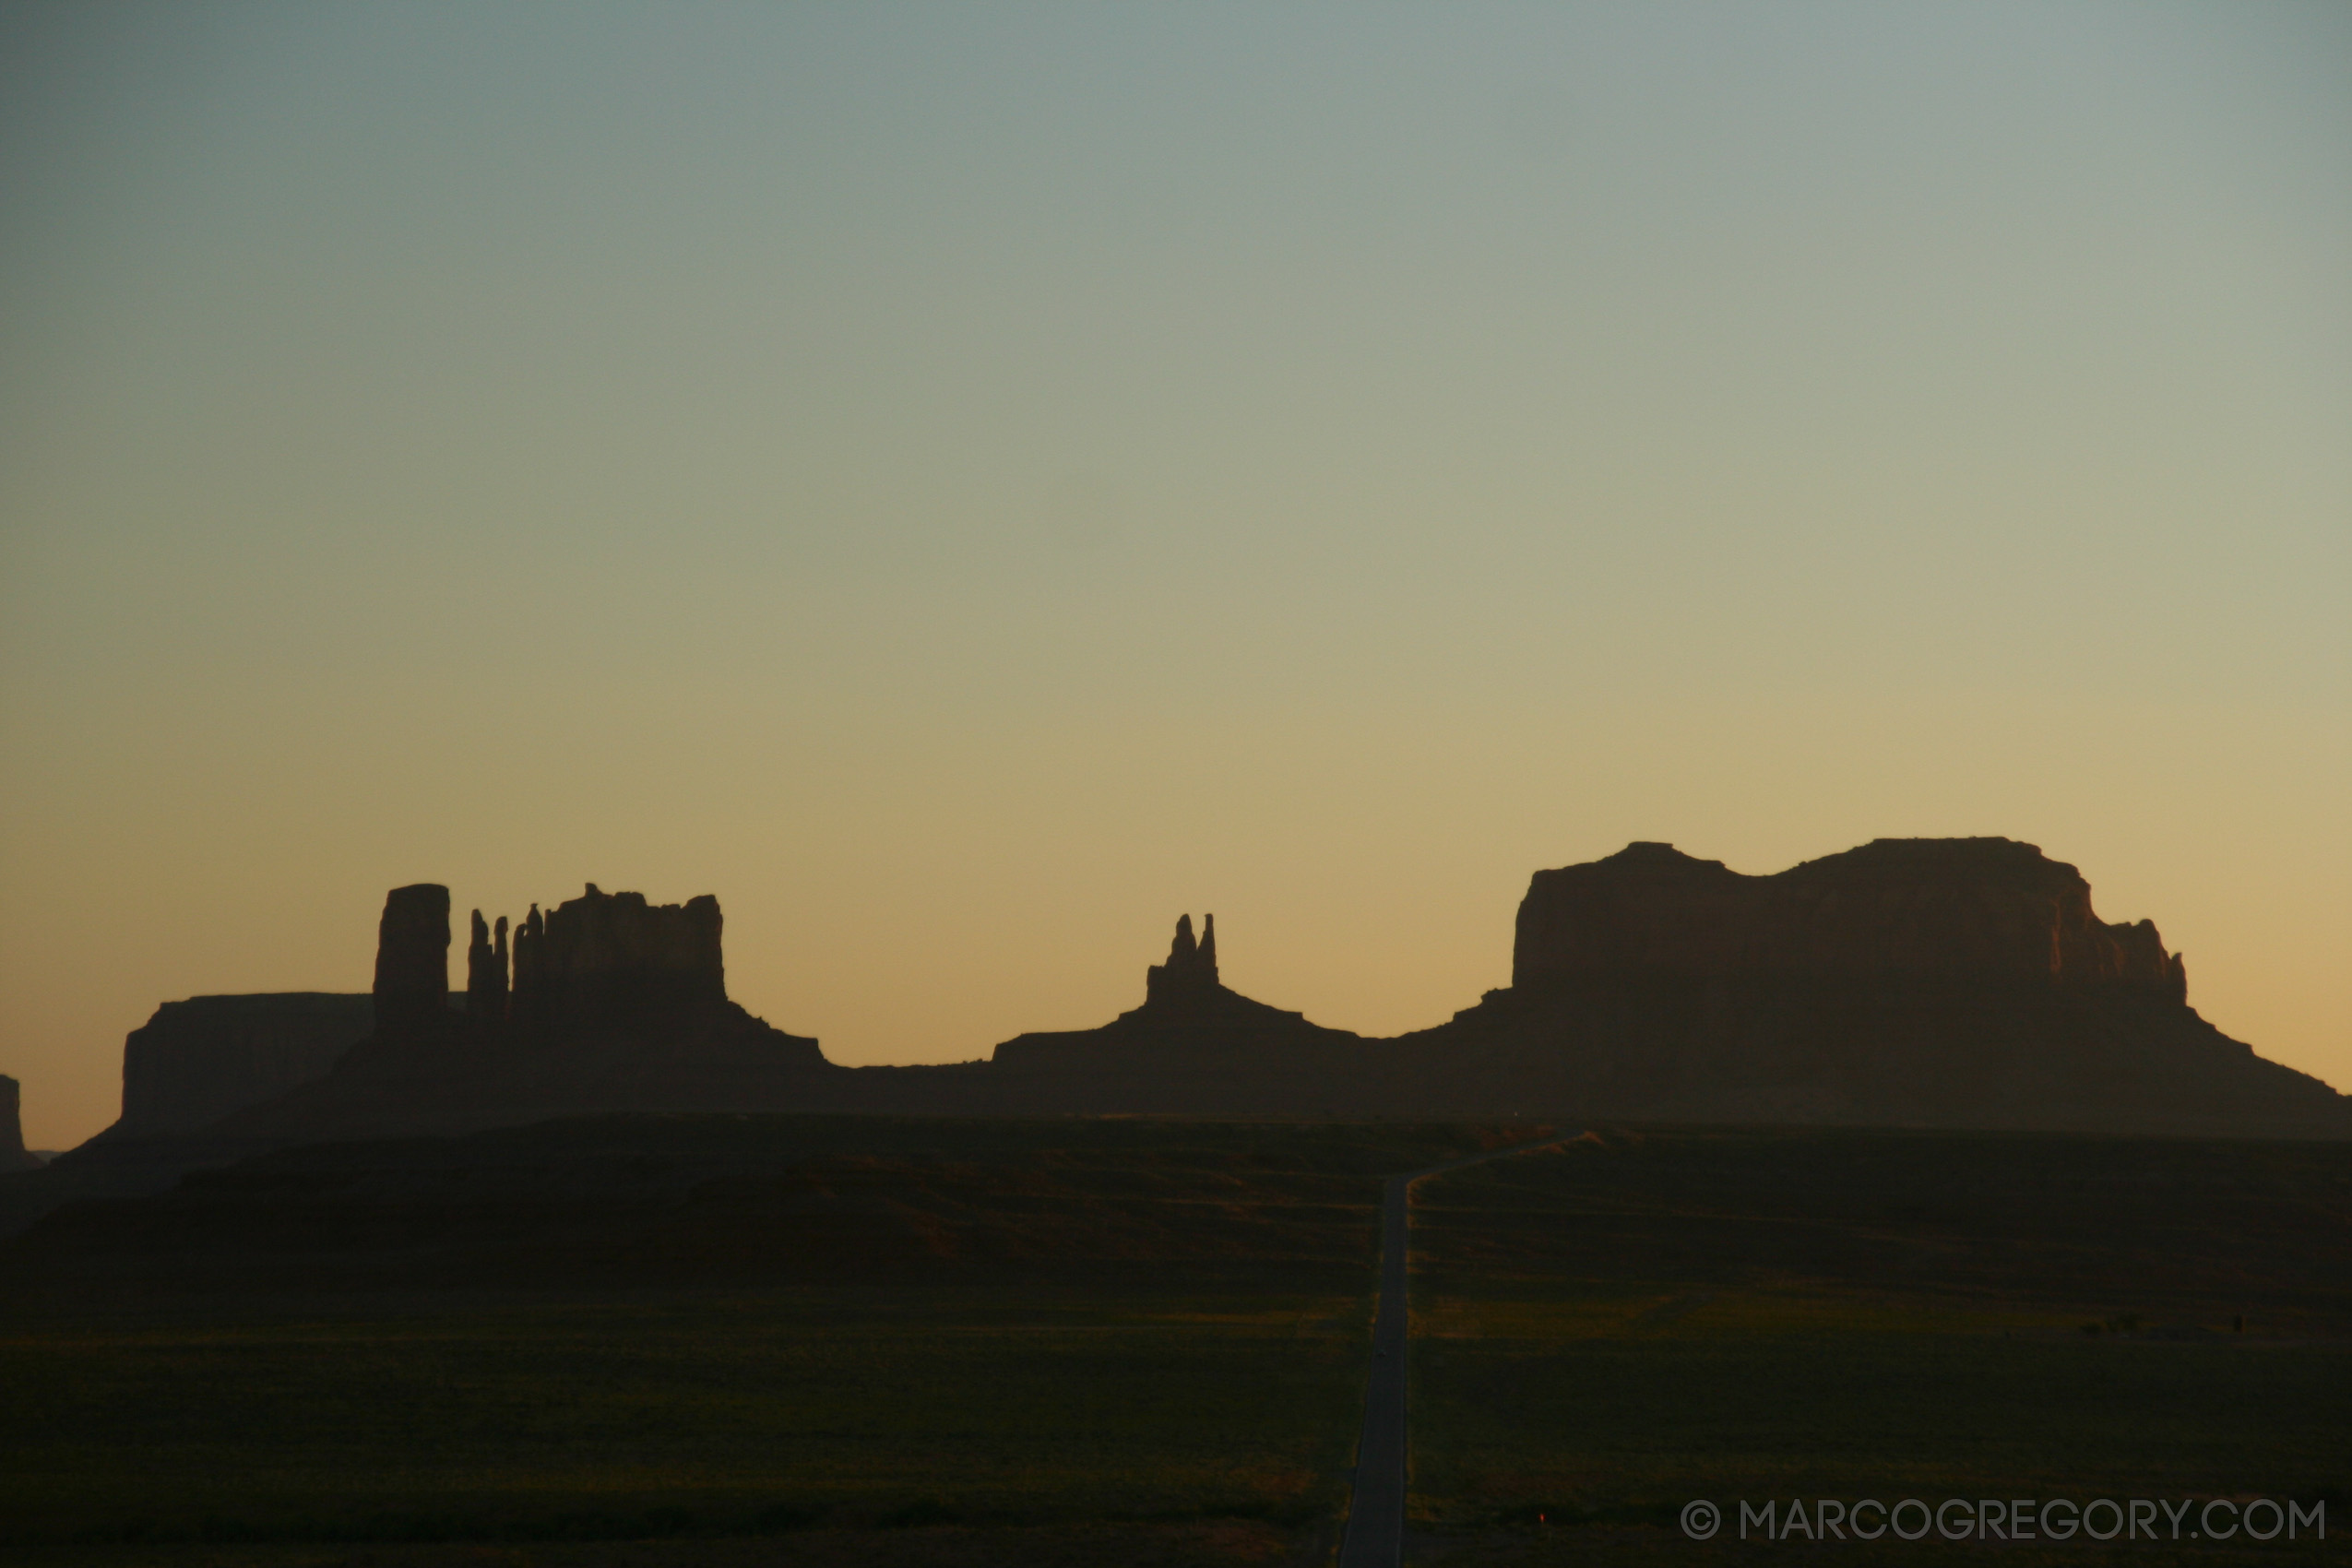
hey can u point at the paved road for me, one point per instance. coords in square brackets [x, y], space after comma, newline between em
[1375, 1536]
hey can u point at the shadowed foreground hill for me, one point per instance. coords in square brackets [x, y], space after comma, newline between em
[686, 1341]
[739, 1200]
[683, 1340]
[2179, 1229]
[1652, 1316]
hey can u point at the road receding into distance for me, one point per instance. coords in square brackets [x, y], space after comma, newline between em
[1375, 1535]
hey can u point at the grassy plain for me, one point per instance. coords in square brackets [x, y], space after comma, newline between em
[1607, 1333]
[758, 1413]
[649, 1342]
[677, 1339]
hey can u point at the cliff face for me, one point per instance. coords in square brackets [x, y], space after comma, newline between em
[13, 1156]
[196, 1061]
[610, 1004]
[486, 971]
[604, 958]
[1975, 909]
[413, 958]
[596, 962]
[1953, 982]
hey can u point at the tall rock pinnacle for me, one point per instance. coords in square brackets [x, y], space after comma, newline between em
[486, 971]
[12, 1132]
[412, 959]
[1191, 970]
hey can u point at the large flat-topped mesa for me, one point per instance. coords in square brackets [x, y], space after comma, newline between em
[1918, 909]
[195, 1062]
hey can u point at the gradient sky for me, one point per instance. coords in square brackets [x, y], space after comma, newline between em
[966, 483]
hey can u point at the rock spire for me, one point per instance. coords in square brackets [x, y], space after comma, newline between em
[486, 971]
[12, 1132]
[1191, 970]
[412, 959]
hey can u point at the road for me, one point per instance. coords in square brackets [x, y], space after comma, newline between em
[1375, 1536]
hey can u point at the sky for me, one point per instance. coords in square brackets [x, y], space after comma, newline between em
[966, 485]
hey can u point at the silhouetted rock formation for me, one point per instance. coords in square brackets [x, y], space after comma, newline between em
[615, 1004]
[609, 956]
[528, 1005]
[486, 971]
[1980, 910]
[1961, 983]
[1193, 1046]
[598, 962]
[13, 1154]
[196, 1061]
[412, 959]
[191, 1066]
[1957, 983]
[1192, 966]
[605, 956]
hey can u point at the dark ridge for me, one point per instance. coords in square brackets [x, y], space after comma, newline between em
[1961, 983]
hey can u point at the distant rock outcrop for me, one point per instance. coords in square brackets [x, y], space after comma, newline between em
[1952, 982]
[1191, 970]
[600, 962]
[528, 1003]
[1195, 1046]
[1977, 909]
[1962, 984]
[486, 971]
[615, 1004]
[195, 1062]
[607, 957]
[412, 959]
[13, 1156]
